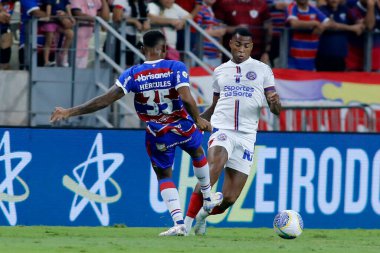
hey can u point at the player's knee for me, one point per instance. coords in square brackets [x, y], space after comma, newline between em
[216, 165]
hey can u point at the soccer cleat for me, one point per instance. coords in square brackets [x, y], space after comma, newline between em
[177, 230]
[200, 223]
[215, 200]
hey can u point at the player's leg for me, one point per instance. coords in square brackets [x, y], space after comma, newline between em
[162, 160]
[169, 194]
[238, 166]
[201, 170]
[201, 167]
[233, 184]
[217, 157]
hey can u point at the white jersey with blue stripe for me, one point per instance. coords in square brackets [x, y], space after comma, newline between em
[241, 90]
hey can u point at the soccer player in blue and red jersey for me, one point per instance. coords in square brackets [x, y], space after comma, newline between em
[163, 100]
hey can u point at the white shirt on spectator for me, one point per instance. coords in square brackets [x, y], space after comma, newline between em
[130, 29]
[175, 12]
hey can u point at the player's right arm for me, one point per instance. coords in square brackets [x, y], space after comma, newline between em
[216, 90]
[95, 104]
[210, 110]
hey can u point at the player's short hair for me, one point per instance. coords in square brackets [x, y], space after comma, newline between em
[242, 31]
[152, 38]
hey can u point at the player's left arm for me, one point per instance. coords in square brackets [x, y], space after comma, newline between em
[273, 100]
[192, 109]
[270, 92]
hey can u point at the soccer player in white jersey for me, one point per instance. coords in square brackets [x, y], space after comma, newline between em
[163, 100]
[241, 87]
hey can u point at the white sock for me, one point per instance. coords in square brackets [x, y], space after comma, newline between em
[170, 195]
[202, 172]
[203, 214]
[188, 223]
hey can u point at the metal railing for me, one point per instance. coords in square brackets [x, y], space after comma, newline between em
[349, 118]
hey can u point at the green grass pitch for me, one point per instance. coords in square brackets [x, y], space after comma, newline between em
[232, 240]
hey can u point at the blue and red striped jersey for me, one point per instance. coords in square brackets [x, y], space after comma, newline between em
[304, 44]
[207, 20]
[157, 101]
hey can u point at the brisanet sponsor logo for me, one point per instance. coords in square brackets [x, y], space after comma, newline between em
[152, 76]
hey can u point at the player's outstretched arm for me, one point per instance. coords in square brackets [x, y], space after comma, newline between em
[210, 110]
[192, 109]
[274, 102]
[95, 104]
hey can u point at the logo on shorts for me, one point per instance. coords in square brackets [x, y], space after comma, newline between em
[222, 137]
[251, 75]
[248, 155]
[161, 147]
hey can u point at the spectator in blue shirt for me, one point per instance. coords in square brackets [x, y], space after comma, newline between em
[333, 45]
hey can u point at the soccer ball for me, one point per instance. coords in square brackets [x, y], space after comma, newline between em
[288, 224]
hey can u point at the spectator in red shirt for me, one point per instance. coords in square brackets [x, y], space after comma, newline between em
[253, 14]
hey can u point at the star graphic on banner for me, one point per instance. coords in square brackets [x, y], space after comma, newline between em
[7, 193]
[96, 193]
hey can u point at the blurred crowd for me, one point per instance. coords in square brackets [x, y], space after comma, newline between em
[322, 35]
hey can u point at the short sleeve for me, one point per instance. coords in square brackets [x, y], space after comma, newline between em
[321, 16]
[268, 79]
[181, 75]
[153, 9]
[29, 5]
[215, 84]
[291, 12]
[180, 11]
[125, 81]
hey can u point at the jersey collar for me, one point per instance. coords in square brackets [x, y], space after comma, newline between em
[152, 62]
[242, 63]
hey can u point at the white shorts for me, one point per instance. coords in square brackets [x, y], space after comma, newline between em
[239, 146]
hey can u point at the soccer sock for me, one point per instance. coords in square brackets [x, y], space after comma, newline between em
[203, 214]
[202, 172]
[196, 203]
[188, 223]
[170, 195]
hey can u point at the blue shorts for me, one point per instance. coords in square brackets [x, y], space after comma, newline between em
[162, 149]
